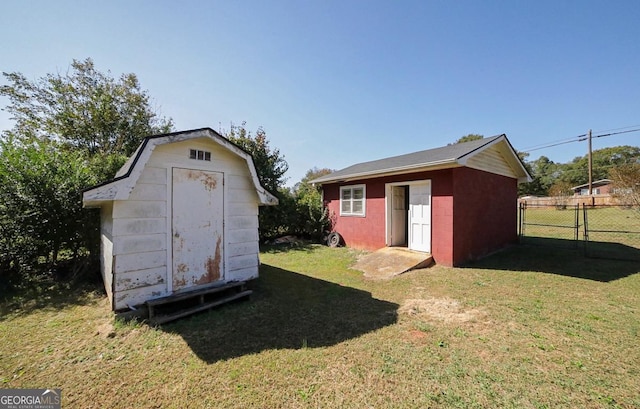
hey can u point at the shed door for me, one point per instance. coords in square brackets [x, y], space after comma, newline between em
[420, 216]
[197, 227]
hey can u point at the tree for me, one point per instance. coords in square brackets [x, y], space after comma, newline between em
[70, 132]
[576, 172]
[561, 192]
[270, 164]
[468, 138]
[84, 109]
[271, 167]
[544, 173]
[626, 183]
[314, 219]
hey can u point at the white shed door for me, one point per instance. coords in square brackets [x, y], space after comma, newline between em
[197, 227]
[420, 216]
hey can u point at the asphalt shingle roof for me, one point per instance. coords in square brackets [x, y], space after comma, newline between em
[425, 158]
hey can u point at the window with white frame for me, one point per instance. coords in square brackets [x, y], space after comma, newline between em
[352, 200]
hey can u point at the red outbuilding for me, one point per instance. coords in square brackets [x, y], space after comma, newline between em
[457, 202]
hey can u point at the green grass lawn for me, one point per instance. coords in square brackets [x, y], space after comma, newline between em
[530, 327]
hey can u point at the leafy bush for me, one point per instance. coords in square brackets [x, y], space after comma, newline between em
[40, 208]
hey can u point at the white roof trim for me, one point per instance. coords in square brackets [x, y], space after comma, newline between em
[120, 188]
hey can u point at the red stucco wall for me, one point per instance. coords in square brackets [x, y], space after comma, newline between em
[485, 213]
[369, 232]
[484, 206]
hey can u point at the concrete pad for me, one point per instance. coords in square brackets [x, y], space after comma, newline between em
[389, 262]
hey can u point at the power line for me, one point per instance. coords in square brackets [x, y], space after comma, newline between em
[561, 141]
[616, 133]
[617, 129]
[578, 138]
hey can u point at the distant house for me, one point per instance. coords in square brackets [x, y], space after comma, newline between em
[457, 202]
[599, 187]
[181, 214]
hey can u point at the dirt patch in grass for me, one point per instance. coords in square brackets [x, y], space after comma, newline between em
[105, 329]
[446, 310]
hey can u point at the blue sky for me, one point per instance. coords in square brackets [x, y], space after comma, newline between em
[339, 82]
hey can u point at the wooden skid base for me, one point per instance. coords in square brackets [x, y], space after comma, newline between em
[166, 309]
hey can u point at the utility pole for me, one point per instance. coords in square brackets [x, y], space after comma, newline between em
[590, 166]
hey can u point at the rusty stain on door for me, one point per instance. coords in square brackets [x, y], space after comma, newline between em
[210, 182]
[197, 225]
[212, 266]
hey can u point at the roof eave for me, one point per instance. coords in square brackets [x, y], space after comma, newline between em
[443, 164]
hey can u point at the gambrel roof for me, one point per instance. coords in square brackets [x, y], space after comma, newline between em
[494, 155]
[121, 186]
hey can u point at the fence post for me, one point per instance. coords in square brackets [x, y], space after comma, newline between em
[585, 234]
[576, 222]
[521, 208]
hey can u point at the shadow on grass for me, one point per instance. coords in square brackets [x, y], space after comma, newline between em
[287, 310]
[562, 257]
[299, 245]
[47, 296]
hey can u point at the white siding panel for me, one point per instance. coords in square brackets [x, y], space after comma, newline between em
[243, 236]
[140, 278]
[240, 182]
[127, 227]
[241, 249]
[147, 191]
[181, 159]
[242, 196]
[106, 249]
[139, 244]
[139, 209]
[106, 220]
[242, 222]
[243, 274]
[154, 175]
[491, 160]
[241, 262]
[140, 261]
[138, 296]
[242, 209]
[106, 264]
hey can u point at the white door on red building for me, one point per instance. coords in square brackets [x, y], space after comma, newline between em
[420, 216]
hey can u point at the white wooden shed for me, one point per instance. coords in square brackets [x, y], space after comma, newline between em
[181, 214]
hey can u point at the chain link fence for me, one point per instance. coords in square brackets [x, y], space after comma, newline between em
[601, 231]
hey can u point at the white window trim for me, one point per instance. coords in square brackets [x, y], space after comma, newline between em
[364, 200]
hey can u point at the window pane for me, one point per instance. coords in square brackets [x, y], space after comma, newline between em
[346, 206]
[346, 194]
[192, 153]
[358, 193]
[207, 156]
[357, 206]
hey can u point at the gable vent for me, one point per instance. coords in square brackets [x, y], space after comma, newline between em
[199, 155]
